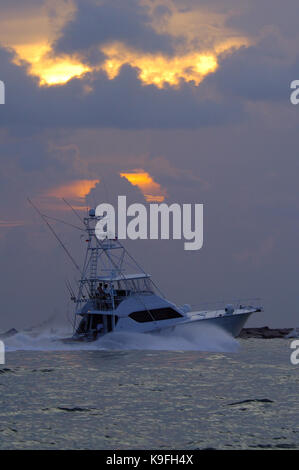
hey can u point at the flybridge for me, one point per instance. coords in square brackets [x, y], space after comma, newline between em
[2, 92]
[158, 220]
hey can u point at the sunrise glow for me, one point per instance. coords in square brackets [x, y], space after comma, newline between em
[78, 189]
[157, 69]
[33, 35]
[152, 191]
[50, 70]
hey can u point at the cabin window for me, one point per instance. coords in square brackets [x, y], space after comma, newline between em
[141, 317]
[155, 314]
[165, 313]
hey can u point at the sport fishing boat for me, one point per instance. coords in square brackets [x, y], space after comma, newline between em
[114, 294]
[112, 298]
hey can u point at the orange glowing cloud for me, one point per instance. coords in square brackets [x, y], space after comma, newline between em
[77, 190]
[206, 37]
[50, 70]
[32, 31]
[159, 70]
[152, 191]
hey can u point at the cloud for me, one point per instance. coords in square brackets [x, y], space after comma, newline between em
[257, 15]
[122, 103]
[258, 73]
[128, 98]
[165, 43]
[152, 191]
[30, 29]
[98, 23]
[74, 191]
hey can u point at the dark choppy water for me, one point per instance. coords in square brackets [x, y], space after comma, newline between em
[101, 399]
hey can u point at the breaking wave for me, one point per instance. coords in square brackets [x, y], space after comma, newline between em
[183, 338]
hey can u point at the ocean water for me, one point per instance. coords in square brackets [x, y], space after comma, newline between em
[196, 390]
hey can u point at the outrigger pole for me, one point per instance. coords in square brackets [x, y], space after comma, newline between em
[43, 217]
[75, 212]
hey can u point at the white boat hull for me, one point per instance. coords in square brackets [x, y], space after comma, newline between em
[232, 324]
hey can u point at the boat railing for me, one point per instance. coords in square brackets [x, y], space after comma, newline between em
[220, 305]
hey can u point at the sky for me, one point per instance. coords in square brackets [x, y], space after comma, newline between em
[160, 100]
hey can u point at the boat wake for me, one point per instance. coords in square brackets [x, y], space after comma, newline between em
[184, 338]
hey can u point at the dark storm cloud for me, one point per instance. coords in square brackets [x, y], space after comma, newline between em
[122, 103]
[96, 24]
[257, 73]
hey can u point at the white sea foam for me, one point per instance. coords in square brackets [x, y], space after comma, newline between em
[184, 338]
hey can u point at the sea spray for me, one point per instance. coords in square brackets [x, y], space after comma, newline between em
[182, 338]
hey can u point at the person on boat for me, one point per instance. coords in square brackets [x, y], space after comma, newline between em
[106, 289]
[101, 296]
[100, 292]
[109, 289]
[110, 292]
